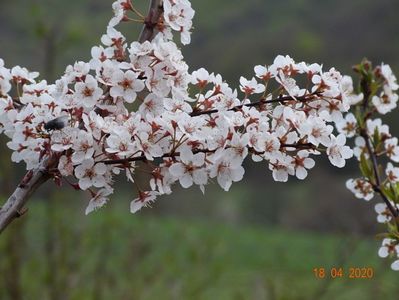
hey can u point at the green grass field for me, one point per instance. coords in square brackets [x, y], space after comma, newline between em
[113, 255]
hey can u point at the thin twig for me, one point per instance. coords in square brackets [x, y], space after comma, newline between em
[377, 184]
[14, 206]
[365, 86]
[258, 103]
[172, 154]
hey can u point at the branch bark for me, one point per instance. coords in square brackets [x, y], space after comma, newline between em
[124, 161]
[14, 206]
[155, 11]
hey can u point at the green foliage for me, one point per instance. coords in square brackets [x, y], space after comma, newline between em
[366, 167]
[114, 255]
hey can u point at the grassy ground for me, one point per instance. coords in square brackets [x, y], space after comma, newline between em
[113, 255]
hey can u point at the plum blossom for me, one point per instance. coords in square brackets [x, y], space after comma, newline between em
[347, 126]
[392, 149]
[250, 87]
[120, 142]
[178, 15]
[395, 264]
[162, 179]
[227, 169]
[376, 125]
[22, 75]
[83, 147]
[302, 162]
[126, 85]
[113, 38]
[360, 148]
[148, 148]
[144, 200]
[338, 152]
[65, 166]
[91, 174]
[119, 7]
[98, 200]
[361, 188]
[267, 144]
[191, 169]
[386, 102]
[63, 139]
[392, 173]
[152, 104]
[88, 92]
[348, 91]
[200, 78]
[316, 131]
[282, 166]
[388, 247]
[5, 77]
[383, 212]
[262, 73]
[389, 77]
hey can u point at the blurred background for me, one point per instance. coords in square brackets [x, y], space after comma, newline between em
[262, 239]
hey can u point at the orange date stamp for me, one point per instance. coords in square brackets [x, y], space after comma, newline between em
[340, 272]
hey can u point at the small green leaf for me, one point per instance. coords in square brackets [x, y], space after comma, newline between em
[376, 138]
[383, 235]
[388, 192]
[359, 117]
[392, 229]
[374, 87]
[366, 167]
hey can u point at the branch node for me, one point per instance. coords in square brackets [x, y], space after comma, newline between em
[21, 212]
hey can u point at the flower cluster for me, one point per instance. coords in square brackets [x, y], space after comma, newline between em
[178, 16]
[390, 248]
[387, 99]
[137, 105]
[374, 141]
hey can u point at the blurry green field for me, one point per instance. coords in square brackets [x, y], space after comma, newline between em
[114, 255]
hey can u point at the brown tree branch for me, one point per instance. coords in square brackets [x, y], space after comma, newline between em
[124, 161]
[155, 11]
[14, 206]
[258, 103]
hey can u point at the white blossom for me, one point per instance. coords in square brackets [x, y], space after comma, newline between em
[91, 174]
[392, 149]
[361, 188]
[338, 152]
[88, 92]
[191, 169]
[384, 215]
[126, 85]
[99, 200]
[145, 199]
